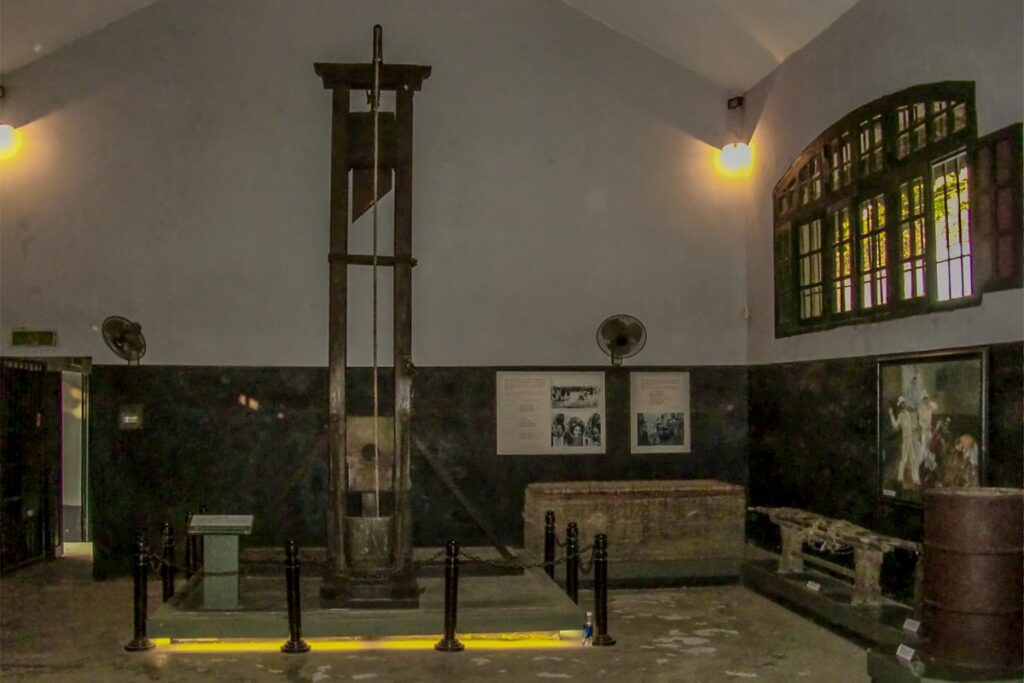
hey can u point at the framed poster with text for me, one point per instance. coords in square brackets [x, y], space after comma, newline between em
[550, 412]
[659, 412]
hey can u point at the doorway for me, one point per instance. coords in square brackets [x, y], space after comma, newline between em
[44, 458]
[74, 470]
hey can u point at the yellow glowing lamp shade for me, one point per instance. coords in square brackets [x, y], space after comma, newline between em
[10, 141]
[735, 160]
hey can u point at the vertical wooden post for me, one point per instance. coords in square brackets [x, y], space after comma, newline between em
[867, 587]
[402, 480]
[337, 330]
[791, 559]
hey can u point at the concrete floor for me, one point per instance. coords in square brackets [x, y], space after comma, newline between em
[56, 624]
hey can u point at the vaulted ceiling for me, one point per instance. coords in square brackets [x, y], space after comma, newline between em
[30, 29]
[733, 43]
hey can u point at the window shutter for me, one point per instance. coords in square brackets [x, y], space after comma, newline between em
[785, 292]
[997, 222]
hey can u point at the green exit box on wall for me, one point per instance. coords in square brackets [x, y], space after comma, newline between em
[33, 338]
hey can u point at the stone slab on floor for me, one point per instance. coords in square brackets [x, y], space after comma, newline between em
[497, 604]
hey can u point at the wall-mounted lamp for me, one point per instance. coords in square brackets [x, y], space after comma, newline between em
[10, 137]
[736, 159]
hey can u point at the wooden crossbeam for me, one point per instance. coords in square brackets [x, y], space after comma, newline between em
[445, 476]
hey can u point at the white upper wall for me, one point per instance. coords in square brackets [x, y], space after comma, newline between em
[176, 165]
[879, 47]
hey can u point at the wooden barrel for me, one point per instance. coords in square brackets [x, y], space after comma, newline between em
[973, 591]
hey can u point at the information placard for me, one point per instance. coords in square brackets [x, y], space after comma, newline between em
[550, 412]
[659, 412]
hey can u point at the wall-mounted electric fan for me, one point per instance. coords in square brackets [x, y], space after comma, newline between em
[621, 336]
[124, 338]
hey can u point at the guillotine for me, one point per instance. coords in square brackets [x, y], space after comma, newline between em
[369, 523]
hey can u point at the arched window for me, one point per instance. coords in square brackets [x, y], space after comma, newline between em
[897, 209]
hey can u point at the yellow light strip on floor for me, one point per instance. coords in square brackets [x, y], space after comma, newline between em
[472, 641]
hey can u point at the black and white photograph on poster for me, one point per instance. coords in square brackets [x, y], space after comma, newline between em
[550, 412]
[575, 429]
[660, 429]
[575, 397]
[660, 412]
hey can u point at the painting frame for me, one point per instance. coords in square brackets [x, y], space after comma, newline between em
[932, 423]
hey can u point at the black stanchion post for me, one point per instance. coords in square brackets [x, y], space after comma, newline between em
[190, 548]
[295, 644]
[451, 600]
[140, 568]
[572, 562]
[167, 566]
[601, 591]
[549, 543]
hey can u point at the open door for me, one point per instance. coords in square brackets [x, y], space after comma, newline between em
[73, 456]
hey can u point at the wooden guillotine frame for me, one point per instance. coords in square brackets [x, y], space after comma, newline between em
[369, 546]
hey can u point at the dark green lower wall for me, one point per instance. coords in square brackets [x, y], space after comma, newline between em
[813, 445]
[200, 445]
[798, 434]
[813, 438]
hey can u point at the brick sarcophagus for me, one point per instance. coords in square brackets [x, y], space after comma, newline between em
[697, 524]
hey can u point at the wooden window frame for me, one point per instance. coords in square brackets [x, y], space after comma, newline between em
[790, 211]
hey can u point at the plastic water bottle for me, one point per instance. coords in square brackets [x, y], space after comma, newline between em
[588, 630]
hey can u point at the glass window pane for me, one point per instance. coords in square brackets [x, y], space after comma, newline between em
[952, 228]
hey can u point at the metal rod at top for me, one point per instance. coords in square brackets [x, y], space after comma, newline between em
[378, 44]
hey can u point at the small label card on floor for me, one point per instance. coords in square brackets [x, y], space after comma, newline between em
[911, 625]
[813, 586]
[905, 653]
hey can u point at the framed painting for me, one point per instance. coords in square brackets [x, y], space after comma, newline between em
[931, 423]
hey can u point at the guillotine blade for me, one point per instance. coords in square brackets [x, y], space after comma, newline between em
[362, 189]
[361, 157]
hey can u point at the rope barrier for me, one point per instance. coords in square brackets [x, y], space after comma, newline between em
[505, 564]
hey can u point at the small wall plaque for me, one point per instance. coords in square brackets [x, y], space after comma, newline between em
[130, 416]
